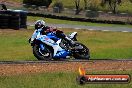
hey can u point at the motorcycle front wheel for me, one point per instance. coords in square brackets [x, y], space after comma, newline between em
[45, 54]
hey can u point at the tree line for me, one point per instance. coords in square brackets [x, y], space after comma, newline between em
[111, 4]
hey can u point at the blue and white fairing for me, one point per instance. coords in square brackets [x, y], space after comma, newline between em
[47, 39]
[36, 34]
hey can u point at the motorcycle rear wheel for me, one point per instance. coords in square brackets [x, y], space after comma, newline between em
[83, 53]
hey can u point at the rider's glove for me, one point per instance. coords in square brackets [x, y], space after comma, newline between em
[29, 40]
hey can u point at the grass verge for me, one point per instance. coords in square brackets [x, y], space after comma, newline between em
[56, 80]
[106, 45]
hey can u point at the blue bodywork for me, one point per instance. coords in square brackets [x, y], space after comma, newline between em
[60, 54]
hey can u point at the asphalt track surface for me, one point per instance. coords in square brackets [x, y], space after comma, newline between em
[101, 28]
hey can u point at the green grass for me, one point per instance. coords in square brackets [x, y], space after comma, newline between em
[126, 7]
[19, 1]
[57, 21]
[106, 45]
[14, 45]
[56, 80]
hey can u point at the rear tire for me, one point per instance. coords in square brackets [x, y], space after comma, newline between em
[41, 55]
[85, 55]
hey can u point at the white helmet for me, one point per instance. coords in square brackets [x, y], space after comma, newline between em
[39, 24]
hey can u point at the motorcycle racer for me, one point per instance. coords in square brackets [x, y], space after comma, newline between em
[40, 26]
[49, 43]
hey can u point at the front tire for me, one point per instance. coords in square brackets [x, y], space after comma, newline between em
[46, 54]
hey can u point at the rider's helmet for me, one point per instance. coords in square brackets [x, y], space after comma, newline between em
[39, 24]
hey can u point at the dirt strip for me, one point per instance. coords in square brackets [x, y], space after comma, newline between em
[13, 69]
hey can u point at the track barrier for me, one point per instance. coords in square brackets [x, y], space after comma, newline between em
[15, 19]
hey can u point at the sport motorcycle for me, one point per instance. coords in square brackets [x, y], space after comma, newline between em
[52, 47]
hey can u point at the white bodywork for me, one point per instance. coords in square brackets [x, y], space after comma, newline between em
[51, 43]
[71, 36]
